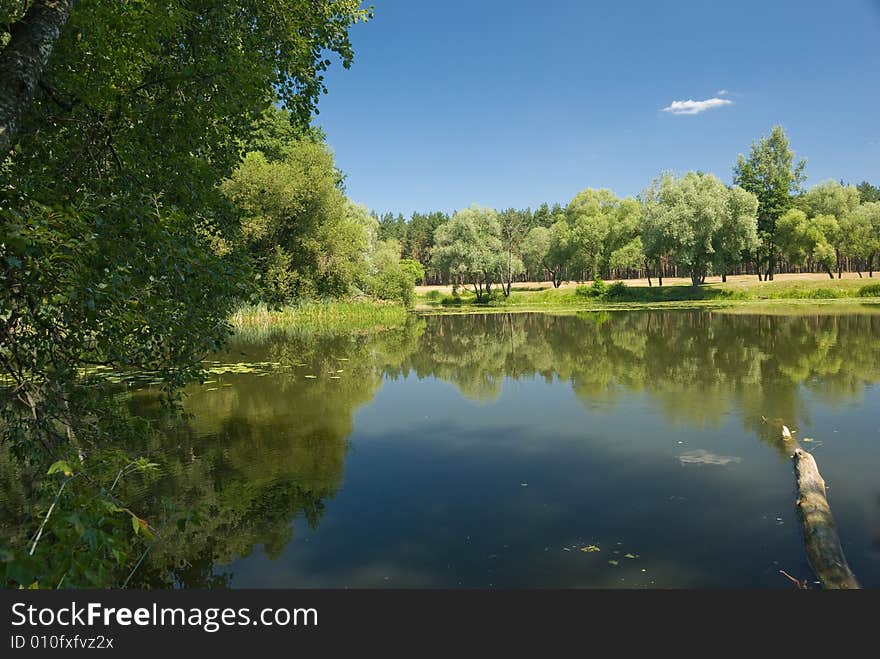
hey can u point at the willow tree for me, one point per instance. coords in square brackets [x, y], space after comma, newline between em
[861, 234]
[515, 226]
[469, 248]
[690, 217]
[831, 199]
[737, 238]
[802, 239]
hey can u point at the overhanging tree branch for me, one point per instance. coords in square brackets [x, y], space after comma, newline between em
[23, 60]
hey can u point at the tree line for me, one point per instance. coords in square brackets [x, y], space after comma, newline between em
[693, 226]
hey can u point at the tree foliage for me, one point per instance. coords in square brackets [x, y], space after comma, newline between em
[689, 217]
[772, 175]
[469, 248]
[116, 249]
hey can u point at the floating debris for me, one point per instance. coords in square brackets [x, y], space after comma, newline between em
[589, 549]
[613, 563]
[704, 457]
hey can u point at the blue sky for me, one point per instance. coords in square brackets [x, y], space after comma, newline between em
[516, 103]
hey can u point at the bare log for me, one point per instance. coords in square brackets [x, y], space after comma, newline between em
[821, 541]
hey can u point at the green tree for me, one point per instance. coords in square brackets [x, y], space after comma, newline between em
[420, 235]
[656, 234]
[737, 237]
[535, 248]
[861, 234]
[801, 239]
[867, 192]
[304, 238]
[393, 227]
[772, 175]
[117, 122]
[688, 217]
[469, 247]
[623, 248]
[590, 216]
[514, 228]
[546, 216]
[830, 198]
[389, 277]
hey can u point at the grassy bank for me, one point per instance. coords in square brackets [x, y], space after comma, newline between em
[620, 295]
[255, 322]
[791, 295]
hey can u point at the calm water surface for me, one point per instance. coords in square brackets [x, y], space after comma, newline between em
[601, 450]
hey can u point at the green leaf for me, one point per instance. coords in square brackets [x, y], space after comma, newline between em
[60, 466]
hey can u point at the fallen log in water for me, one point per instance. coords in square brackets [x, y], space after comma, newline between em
[817, 524]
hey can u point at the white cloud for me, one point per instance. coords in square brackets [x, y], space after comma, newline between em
[695, 107]
[722, 92]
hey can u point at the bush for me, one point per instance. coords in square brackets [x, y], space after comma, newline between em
[871, 290]
[450, 300]
[597, 289]
[617, 291]
[433, 296]
[392, 283]
[414, 269]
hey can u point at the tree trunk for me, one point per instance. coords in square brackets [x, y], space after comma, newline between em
[723, 277]
[829, 271]
[23, 60]
[821, 541]
[505, 286]
[839, 264]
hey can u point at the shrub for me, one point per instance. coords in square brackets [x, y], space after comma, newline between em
[433, 296]
[597, 289]
[392, 282]
[871, 290]
[617, 291]
[414, 269]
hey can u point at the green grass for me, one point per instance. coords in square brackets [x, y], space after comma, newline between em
[257, 322]
[615, 296]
